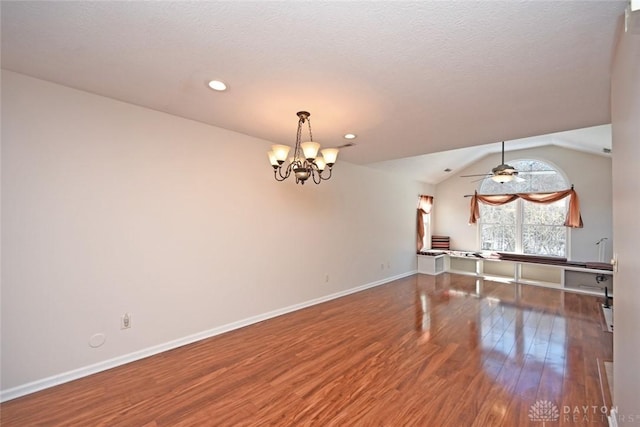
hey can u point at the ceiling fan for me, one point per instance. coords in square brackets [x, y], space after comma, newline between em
[501, 173]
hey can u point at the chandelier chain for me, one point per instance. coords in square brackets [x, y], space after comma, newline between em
[298, 139]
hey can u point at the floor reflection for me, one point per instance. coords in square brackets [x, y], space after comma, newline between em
[511, 332]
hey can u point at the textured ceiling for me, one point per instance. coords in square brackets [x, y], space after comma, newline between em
[409, 78]
[430, 168]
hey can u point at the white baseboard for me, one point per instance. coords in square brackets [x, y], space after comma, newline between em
[75, 374]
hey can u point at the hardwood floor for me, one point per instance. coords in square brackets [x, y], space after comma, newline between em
[421, 351]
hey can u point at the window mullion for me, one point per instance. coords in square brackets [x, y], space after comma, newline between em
[519, 227]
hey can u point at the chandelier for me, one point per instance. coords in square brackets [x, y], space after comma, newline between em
[305, 162]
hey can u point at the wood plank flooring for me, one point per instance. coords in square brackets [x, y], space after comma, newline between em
[436, 351]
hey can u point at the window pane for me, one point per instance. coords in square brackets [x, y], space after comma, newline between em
[498, 230]
[498, 237]
[505, 214]
[539, 177]
[543, 232]
[553, 214]
[544, 240]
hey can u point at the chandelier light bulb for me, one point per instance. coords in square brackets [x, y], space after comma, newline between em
[272, 159]
[330, 155]
[281, 152]
[310, 149]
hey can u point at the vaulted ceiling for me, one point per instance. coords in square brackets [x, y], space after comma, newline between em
[409, 78]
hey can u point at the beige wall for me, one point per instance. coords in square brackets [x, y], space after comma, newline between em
[589, 173]
[110, 208]
[625, 112]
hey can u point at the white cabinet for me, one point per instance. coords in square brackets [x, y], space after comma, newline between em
[585, 280]
[433, 265]
[567, 277]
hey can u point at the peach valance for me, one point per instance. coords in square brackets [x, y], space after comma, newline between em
[573, 219]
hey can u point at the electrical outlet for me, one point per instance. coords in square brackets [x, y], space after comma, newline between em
[125, 321]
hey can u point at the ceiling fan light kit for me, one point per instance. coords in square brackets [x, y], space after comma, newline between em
[502, 178]
[305, 162]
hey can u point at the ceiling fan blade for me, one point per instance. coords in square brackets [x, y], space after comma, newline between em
[481, 179]
[478, 174]
[538, 172]
[347, 145]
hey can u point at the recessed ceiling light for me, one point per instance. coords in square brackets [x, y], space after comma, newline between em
[217, 85]
[350, 136]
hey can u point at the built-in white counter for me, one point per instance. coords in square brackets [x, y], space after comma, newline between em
[567, 277]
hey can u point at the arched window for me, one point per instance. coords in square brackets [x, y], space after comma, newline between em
[521, 226]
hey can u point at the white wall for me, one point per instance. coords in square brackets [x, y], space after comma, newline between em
[589, 173]
[625, 114]
[111, 208]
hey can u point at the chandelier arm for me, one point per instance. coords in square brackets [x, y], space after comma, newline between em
[285, 176]
[316, 173]
[328, 176]
[288, 171]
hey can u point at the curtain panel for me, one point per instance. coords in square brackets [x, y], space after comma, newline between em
[425, 203]
[573, 218]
